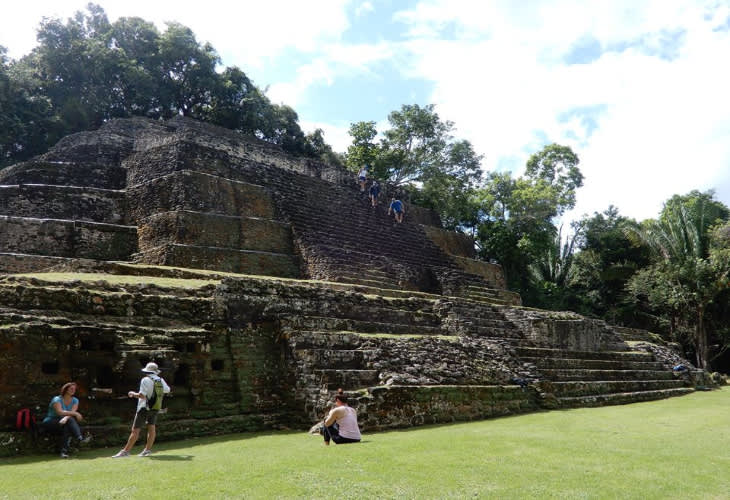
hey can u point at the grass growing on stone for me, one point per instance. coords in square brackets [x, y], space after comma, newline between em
[121, 279]
[675, 448]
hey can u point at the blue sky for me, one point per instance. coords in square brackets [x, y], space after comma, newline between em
[638, 88]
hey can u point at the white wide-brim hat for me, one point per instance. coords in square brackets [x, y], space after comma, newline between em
[151, 368]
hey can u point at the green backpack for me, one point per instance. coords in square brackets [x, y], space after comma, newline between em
[154, 402]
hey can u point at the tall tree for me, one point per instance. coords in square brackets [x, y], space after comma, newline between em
[684, 281]
[363, 150]
[605, 261]
[516, 215]
[86, 70]
[419, 154]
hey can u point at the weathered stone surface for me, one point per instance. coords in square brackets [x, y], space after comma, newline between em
[195, 228]
[451, 242]
[91, 175]
[222, 259]
[199, 192]
[413, 330]
[63, 202]
[64, 238]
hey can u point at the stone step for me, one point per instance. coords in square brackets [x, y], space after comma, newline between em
[375, 283]
[587, 374]
[120, 305]
[587, 388]
[310, 323]
[336, 378]
[339, 339]
[18, 262]
[67, 238]
[621, 397]
[63, 202]
[593, 364]
[96, 175]
[384, 407]
[230, 260]
[213, 230]
[546, 352]
[339, 359]
[97, 330]
[380, 310]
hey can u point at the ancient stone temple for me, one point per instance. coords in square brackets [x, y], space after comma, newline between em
[262, 282]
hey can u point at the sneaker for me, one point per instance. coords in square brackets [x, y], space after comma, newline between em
[64, 454]
[85, 439]
[121, 454]
[145, 453]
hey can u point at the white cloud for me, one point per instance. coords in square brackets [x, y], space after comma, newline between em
[363, 9]
[252, 32]
[500, 78]
[335, 135]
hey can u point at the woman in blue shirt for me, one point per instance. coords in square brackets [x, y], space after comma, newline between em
[63, 417]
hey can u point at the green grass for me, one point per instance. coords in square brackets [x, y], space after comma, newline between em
[120, 279]
[675, 448]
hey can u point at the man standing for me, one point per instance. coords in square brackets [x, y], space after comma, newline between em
[152, 389]
[362, 177]
[374, 192]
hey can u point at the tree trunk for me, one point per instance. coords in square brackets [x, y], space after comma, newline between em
[701, 339]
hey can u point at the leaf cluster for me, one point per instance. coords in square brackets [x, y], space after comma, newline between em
[86, 70]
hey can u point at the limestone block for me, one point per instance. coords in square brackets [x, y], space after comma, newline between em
[201, 229]
[195, 191]
[65, 238]
[62, 202]
[70, 173]
[451, 242]
[222, 259]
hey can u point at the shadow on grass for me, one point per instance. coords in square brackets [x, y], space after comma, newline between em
[171, 458]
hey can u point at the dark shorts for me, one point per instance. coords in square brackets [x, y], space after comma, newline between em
[144, 416]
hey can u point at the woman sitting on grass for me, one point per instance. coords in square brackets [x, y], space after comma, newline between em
[63, 417]
[340, 425]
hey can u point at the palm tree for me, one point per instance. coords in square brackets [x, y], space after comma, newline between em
[680, 242]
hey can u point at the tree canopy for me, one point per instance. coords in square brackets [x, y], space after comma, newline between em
[419, 154]
[86, 70]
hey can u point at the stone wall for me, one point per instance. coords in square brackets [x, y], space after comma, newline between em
[451, 242]
[63, 238]
[213, 230]
[93, 175]
[63, 202]
[200, 192]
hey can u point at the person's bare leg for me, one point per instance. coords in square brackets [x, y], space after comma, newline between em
[132, 440]
[151, 434]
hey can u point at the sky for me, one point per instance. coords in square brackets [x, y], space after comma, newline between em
[637, 88]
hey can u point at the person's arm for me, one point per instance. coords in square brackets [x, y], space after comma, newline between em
[58, 408]
[165, 388]
[142, 390]
[75, 409]
[332, 417]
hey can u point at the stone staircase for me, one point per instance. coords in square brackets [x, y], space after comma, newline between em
[68, 203]
[187, 195]
[569, 379]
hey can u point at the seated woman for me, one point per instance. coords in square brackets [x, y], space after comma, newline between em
[340, 425]
[63, 417]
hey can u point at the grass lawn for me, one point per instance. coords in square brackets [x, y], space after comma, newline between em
[675, 448]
